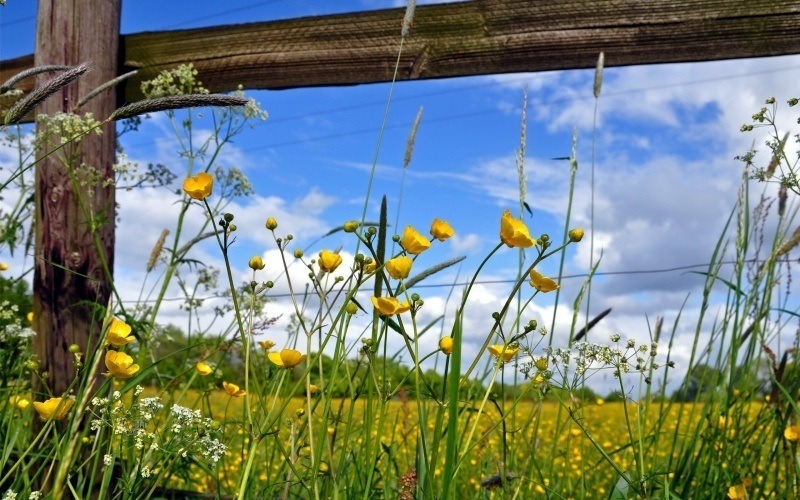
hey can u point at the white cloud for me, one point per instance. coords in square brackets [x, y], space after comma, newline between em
[467, 244]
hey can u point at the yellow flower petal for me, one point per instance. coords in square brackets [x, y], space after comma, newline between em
[233, 390]
[287, 358]
[542, 283]
[514, 233]
[256, 263]
[399, 267]
[119, 333]
[792, 433]
[199, 187]
[389, 306]
[120, 365]
[737, 492]
[385, 305]
[502, 352]
[329, 261]
[446, 345]
[441, 230]
[413, 242]
[203, 368]
[53, 408]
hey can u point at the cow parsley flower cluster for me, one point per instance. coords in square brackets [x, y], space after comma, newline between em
[193, 433]
[577, 362]
[11, 328]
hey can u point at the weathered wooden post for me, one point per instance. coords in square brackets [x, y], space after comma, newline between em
[70, 32]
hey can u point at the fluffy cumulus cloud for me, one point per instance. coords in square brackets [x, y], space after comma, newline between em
[660, 205]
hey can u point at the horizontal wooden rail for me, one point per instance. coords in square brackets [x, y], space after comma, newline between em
[457, 39]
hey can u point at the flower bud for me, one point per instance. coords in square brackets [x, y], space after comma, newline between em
[256, 263]
[272, 224]
[575, 235]
[74, 348]
[269, 284]
[446, 345]
[298, 254]
[350, 226]
[351, 308]
[228, 217]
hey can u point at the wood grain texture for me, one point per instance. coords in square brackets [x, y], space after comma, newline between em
[458, 39]
[68, 269]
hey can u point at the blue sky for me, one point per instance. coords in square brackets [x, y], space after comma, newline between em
[666, 177]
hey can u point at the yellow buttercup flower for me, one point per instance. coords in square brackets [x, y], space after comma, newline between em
[792, 433]
[514, 232]
[120, 365]
[389, 306]
[266, 344]
[399, 267]
[256, 263]
[19, 402]
[3, 266]
[199, 187]
[370, 267]
[413, 242]
[542, 283]
[737, 492]
[600, 402]
[203, 368]
[329, 261]
[287, 358]
[119, 333]
[446, 345]
[441, 229]
[30, 317]
[312, 389]
[502, 352]
[53, 408]
[233, 390]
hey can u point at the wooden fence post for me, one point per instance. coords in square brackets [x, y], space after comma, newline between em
[68, 269]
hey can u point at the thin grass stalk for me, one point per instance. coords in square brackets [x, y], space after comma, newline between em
[598, 81]
[523, 193]
[382, 129]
